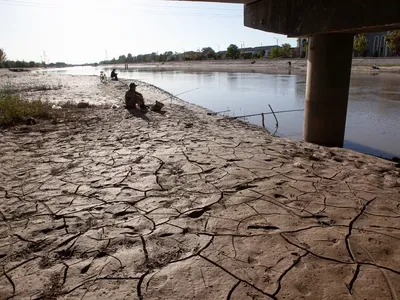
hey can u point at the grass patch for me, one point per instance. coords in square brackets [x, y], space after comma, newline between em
[14, 110]
[9, 89]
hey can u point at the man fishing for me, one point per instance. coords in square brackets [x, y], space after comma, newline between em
[114, 75]
[134, 99]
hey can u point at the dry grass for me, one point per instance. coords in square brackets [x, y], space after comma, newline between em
[14, 110]
[10, 89]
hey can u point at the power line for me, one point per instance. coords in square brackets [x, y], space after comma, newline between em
[25, 4]
[40, 4]
[146, 12]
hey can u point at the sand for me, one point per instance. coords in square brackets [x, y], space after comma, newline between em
[299, 66]
[185, 205]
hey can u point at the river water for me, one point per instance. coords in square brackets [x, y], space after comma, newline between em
[372, 126]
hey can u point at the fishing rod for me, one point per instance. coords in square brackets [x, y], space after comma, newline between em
[174, 96]
[218, 112]
[267, 113]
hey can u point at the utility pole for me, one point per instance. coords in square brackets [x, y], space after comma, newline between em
[44, 58]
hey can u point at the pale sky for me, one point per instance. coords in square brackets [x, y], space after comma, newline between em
[79, 31]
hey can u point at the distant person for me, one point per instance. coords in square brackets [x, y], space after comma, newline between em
[134, 99]
[103, 77]
[114, 75]
[290, 64]
[375, 67]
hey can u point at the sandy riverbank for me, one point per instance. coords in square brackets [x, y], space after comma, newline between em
[299, 66]
[183, 205]
[360, 65]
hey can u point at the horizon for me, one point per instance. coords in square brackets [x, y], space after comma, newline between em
[77, 32]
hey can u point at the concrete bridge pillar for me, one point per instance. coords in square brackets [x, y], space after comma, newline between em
[331, 24]
[327, 91]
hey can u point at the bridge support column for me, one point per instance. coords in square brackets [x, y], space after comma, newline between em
[327, 91]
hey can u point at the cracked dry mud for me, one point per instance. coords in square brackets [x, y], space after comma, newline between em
[187, 206]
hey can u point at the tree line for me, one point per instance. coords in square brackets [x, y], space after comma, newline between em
[206, 53]
[11, 64]
[232, 52]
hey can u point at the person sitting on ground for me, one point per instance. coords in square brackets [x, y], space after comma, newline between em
[103, 77]
[134, 99]
[375, 67]
[114, 75]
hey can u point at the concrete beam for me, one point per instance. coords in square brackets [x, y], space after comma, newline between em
[307, 17]
[222, 1]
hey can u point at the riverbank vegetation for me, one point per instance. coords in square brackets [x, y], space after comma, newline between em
[14, 110]
[393, 41]
[207, 53]
[19, 64]
[360, 45]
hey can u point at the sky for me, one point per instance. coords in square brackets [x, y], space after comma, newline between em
[86, 31]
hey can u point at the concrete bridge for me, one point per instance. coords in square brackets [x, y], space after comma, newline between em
[331, 26]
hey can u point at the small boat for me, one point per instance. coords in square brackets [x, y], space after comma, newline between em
[18, 70]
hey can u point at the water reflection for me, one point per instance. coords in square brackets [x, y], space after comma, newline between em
[373, 110]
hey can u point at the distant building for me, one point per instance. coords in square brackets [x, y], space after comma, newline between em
[301, 43]
[295, 52]
[377, 47]
[257, 50]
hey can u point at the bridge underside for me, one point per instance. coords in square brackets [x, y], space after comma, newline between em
[330, 26]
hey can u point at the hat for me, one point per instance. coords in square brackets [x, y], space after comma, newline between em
[132, 85]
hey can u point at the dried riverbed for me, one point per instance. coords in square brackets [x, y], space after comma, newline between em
[182, 205]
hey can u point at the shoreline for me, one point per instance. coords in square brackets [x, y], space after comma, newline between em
[387, 65]
[299, 66]
[116, 205]
[54, 85]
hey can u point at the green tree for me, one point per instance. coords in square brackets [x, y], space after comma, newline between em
[360, 45]
[305, 48]
[233, 51]
[262, 53]
[245, 55]
[3, 57]
[208, 53]
[32, 64]
[393, 41]
[219, 56]
[275, 52]
[122, 59]
[129, 58]
[161, 58]
[153, 57]
[20, 64]
[286, 50]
